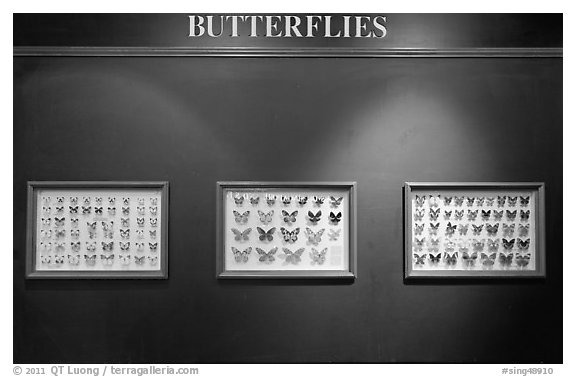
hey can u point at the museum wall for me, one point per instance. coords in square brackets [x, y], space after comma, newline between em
[379, 122]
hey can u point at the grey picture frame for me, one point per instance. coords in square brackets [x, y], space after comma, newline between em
[32, 273]
[538, 187]
[221, 273]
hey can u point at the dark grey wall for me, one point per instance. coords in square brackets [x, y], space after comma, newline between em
[380, 122]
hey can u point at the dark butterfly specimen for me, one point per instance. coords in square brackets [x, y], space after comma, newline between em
[90, 259]
[434, 213]
[470, 201]
[58, 259]
[492, 229]
[266, 235]
[488, 259]
[293, 257]
[451, 258]
[511, 215]
[480, 201]
[433, 229]
[477, 229]
[498, 215]
[60, 199]
[124, 246]
[335, 202]
[469, 258]
[419, 200]
[447, 200]
[418, 228]
[125, 222]
[107, 246]
[86, 210]
[501, 201]
[140, 221]
[125, 210]
[107, 259]
[458, 201]
[153, 222]
[112, 211]
[86, 200]
[126, 201]
[434, 258]
[524, 201]
[472, 215]
[459, 215]
[75, 246]
[241, 236]
[512, 201]
[73, 209]
[59, 221]
[139, 260]
[238, 217]
[314, 218]
[506, 259]
[419, 259]
[486, 214]
[153, 246]
[419, 214]
[522, 260]
[266, 257]
[508, 244]
[450, 229]
[255, 200]
[111, 201]
[447, 215]
[60, 209]
[46, 259]
[335, 218]
[290, 236]
[524, 215]
[74, 223]
[125, 233]
[523, 245]
[318, 200]
[98, 210]
[241, 256]
[286, 200]
[238, 200]
[302, 200]
[270, 200]
[318, 257]
[289, 218]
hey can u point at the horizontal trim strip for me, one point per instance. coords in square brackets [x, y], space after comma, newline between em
[311, 52]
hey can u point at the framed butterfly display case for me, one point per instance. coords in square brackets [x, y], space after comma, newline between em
[97, 230]
[286, 230]
[474, 230]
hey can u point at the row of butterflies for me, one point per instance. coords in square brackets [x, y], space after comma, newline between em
[291, 257]
[433, 244]
[289, 236]
[106, 225]
[286, 199]
[436, 200]
[491, 229]
[87, 200]
[469, 259]
[75, 233]
[472, 215]
[90, 260]
[288, 218]
[87, 210]
[91, 246]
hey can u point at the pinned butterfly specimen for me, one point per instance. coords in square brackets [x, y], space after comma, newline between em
[433, 229]
[434, 200]
[451, 258]
[486, 214]
[434, 242]
[254, 200]
[488, 259]
[508, 244]
[335, 202]
[270, 200]
[86, 210]
[91, 246]
[314, 238]
[46, 200]
[139, 233]
[458, 201]
[293, 257]
[478, 245]
[46, 210]
[459, 215]
[492, 229]
[265, 218]
[266, 257]
[98, 210]
[318, 257]
[111, 201]
[125, 246]
[111, 211]
[152, 233]
[314, 218]
[289, 218]
[524, 215]
[74, 223]
[447, 215]
[523, 230]
[60, 233]
[450, 229]
[59, 246]
[154, 201]
[239, 218]
[434, 213]
[241, 236]
[524, 201]
[107, 246]
[139, 260]
[418, 228]
[477, 229]
[107, 260]
[239, 200]
[124, 259]
[508, 230]
[333, 235]
[286, 200]
[59, 221]
[472, 215]
[153, 246]
[241, 256]
[140, 221]
[490, 201]
[153, 222]
[125, 233]
[153, 211]
[86, 200]
[447, 200]
[419, 259]
[463, 229]
[319, 200]
[99, 201]
[419, 200]
[59, 259]
[60, 199]
[73, 210]
[523, 245]
[522, 260]
[266, 235]
[512, 201]
[108, 228]
[480, 201]
[141, 201]
[45, 233]
[139, 246]
[125, 221]
[463, 244]
[290, 236]
[153, 260]
[449, 245]
[126, 201]
[501, 201]
[470, 201]
[469, 258]
[419, 243]
[434, 258]
[511, 215]
[59, 210]
[419, 214]
[46, 246]
[498, 215]
[335, 218]
[90, 259]
[75, 246]
[493, 244]
[302, 200]
[125, 211]
[73, 260]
